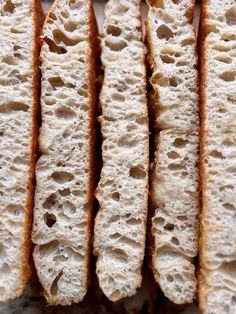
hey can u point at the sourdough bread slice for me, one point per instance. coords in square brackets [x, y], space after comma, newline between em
[19, 104]
[217, 284]
[65, 171]
[120, 224]
[174, 183]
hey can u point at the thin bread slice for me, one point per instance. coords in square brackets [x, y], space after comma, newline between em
[19, 104]
[217, 280]
[174, 182]
[120, 225]
[65, 171]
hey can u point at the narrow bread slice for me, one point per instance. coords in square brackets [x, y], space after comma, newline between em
[65, 171]
[217, 284]
[20, 22]
[120, 224]
[174, 183]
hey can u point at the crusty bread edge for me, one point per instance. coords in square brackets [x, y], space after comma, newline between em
[139, 280]
[202, 293]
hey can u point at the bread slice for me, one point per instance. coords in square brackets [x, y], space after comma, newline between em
[217, 284]
[120, 224]
[19, 104]
[174, 183]
[65, 171]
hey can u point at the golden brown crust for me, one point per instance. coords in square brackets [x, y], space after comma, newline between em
[203, 144]
[26, 270]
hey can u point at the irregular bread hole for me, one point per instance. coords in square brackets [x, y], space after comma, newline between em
[170, 278]
[64, 192]
[82, 92]
[52, 16]
[118, 97]
[221, 47]
[120, 9]
[115, 196]
[164, 32]
[160, 79]
[115, 295]
[70, 26]
[127, 142]
[134, 221]
[159, 221]
[70, 207]
[174, 81]
[13, 106]
[176, 167]
[62, 177]
[118, 255]
[113, 30]
[9, 60]
[229, 206]
[49, 219]
[179, 143]
[66, 14]
[15, 210]
[173, 155]
[48, 249]
[5, 269]
[137, 172]
[169, 227]
[141, 120]
[216, 154]
[230, 16]
[167, 59]
[211, 29]
[56, 82]
[65, 113]
[9, 7]
[113, 219]
[53, 47]
[182, 63]
[228, 37]
[116, 45]
[54, 286]
[174, 241]
[130, 242]
[2, 251]
[228, 76]
[60, 258]
[187, 42]
[50, 201]
[61, 37]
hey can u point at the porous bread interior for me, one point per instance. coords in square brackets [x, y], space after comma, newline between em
[122, 192]
[63, 206]
[17, 28]
[217, 285]
[174, 184]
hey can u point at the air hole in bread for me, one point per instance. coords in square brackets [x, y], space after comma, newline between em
[66, 14]
[13, 106]
[164, 32]
[157, 3]
[221, 47]
[173, 155]
[160, 79]
[137, 172]
[134, 221]
[115, 196]
[82, 92]
[120, 9]
[65, 113]
[167, 59]
[56, 82]
[15, 210]
[62, 177]
[174, 241]
[2, 251]
[9, 7]
[49, 219]
[5, 269]
[141, 120]
[52, 16]
[170, 278]
[228, 76]
[174, 82]
[64, 192]
[216, 154]
[229, 206]
[50, 201]
[69, 207]
[169, 227]
[211, 29]
[113, 30]
[117, 255]
[187, 42]
[116, 45]
[127, 142]
[70, 26]
[230, 16]
[179, 143]
[54, 286]
[9, 60]
[118, 97]
[228, 37]
[53, 47]
[176, 167]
